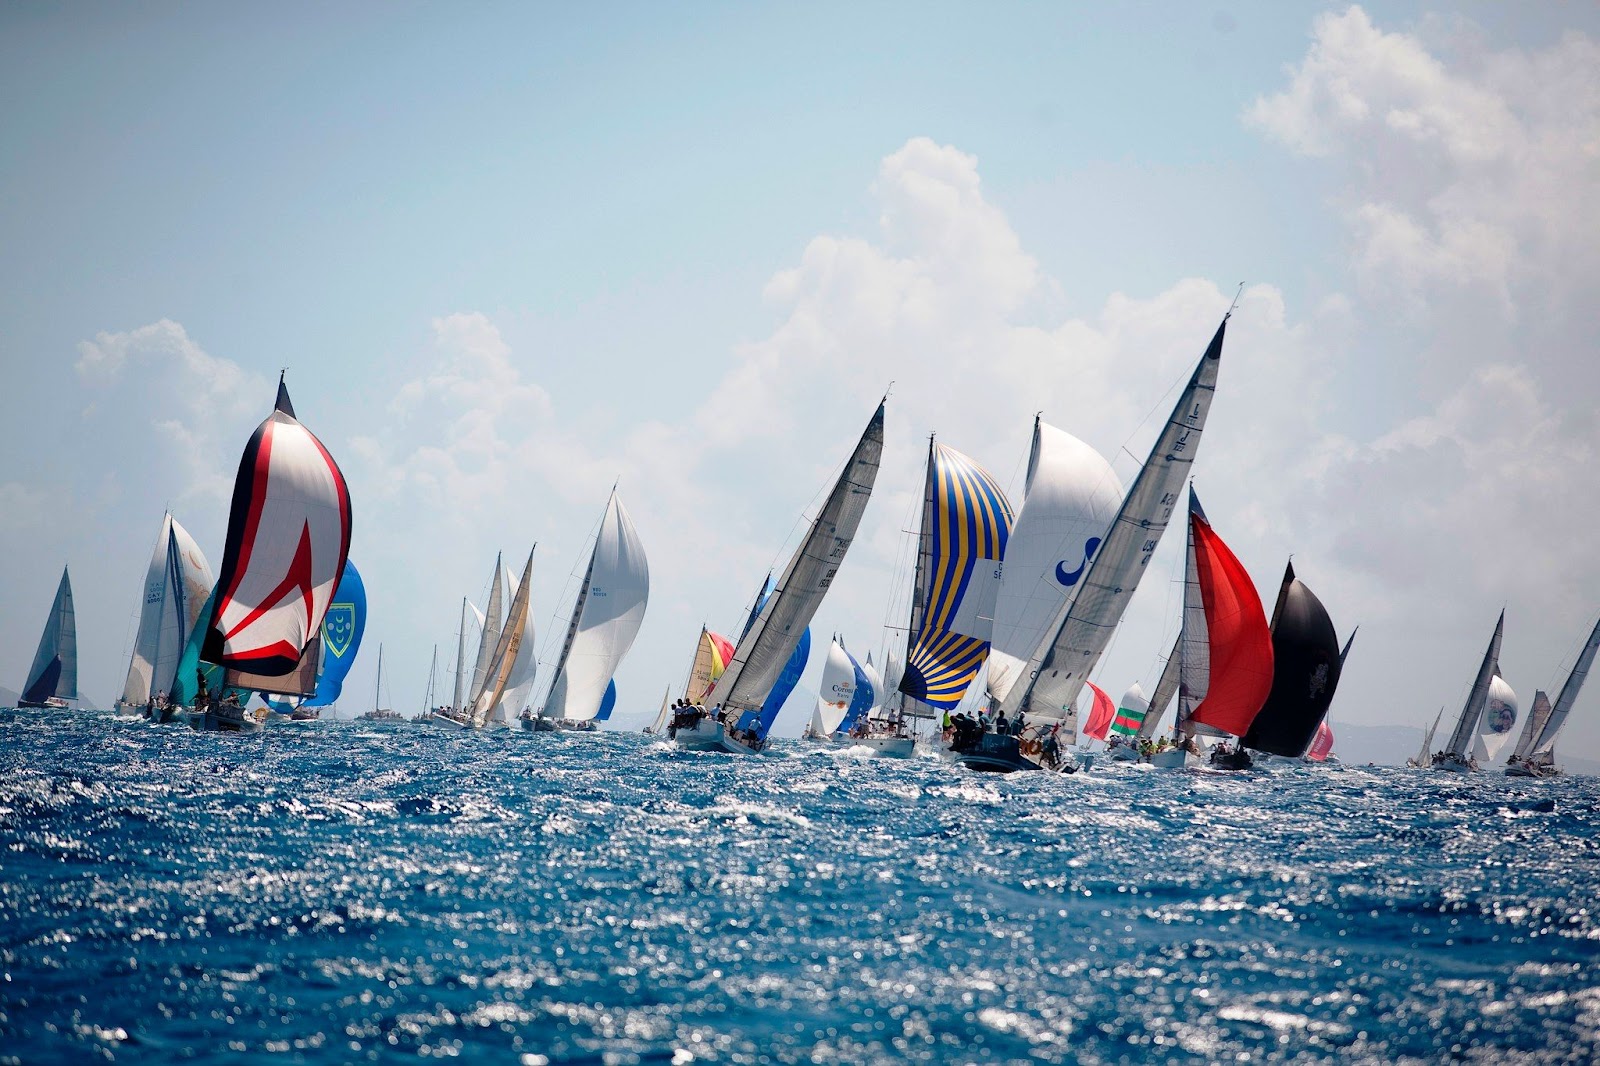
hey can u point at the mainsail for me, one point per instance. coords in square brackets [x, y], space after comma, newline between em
[503, 661]
[1460, 746]
[1538, 717]
[605, 619]
[1305, 671]
[175, 589]
[965, 521]
[1072, 495]
[1166, 688]
[1227, 647]
[524, 668]
[1426, 755]
[1084, 625]
[1543, 750]
[491, 628]
[288, 537]
[54, 673]
[765, 648]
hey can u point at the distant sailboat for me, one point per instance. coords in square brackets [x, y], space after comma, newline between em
[467, 686]
[1306, 663]
[658, 727]
[1047, 687]
[605, 620]
[833, 698]
[1424, 758]
[1536, 755]
[497, 677]
[1458, 755]
[175, 589]
[1225, 652]
[379, 713]
[53, 677]
[737, 698]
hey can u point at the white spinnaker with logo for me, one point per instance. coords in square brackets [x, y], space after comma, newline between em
[1498, 720]
[605, 619]
[1081, 630]
[175, 590]
[838, 689]
[1072, 496]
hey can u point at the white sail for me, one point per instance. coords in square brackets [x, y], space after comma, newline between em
[876, 680]
[659, 726]
[1544, 746]
[838, 689]
[175, 589]
[1532, 726]
[605, 619]
[461, 658]
[1072, 496]
[1461, 741]
[1083, 626]
[491, 631]
[1166, 688]
[498, 674]
[1426, 755]
[766, 645]
[1498, 719]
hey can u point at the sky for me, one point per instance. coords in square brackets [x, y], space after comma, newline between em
[511, 254]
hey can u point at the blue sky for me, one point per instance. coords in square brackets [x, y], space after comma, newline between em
[652, 238]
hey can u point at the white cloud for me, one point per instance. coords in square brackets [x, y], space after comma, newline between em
[1465, 167]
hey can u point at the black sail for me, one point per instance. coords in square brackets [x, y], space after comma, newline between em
[1306, 666]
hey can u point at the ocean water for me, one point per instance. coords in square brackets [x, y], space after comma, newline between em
[343, 892]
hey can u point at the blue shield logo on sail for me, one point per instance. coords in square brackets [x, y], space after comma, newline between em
[338, 627]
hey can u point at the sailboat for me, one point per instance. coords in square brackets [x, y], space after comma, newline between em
[288, 539]
[1306, 663]
[833, 698]
[456, 714]
[1458, 755]
[966, 520]
[380, 714]
[175, 589]
[712, 654]
[1047, 685]
[736, 722]
[53, 677]
[1424, 758]
[605, 620]
[1536, 751]
[1225, 651]
[1122, 739]
[433, 674]
[658, 727]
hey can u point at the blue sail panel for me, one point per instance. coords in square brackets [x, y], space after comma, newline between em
[861, 702]
[342, 628]
[785, 683]
[608, 702]
[967, 529]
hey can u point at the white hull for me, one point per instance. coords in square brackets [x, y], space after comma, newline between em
[705, 736]
[1173, 759]
[1122, 753]
[888, 747]
[1453, 764]
[446, 720]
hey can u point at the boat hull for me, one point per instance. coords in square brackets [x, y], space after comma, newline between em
[1451, 764]
[704, 735]
[889, 747]
[446, 720]
[1172, 759]
[51, 703]
[226, 722]
[1122, 753]
[995, 754]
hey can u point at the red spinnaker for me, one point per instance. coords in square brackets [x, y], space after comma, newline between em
[1101, 714]
[1241, 641]
[1322, 743]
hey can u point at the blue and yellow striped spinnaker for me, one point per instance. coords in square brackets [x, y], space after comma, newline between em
[966, 520]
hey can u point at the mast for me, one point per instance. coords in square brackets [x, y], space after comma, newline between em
[433, 667]
[377, 686]
[1467, 723]
[572, 628]
[461, 653]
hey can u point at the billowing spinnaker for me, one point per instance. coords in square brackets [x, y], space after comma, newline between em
[288, 537]
[1072, 496]
[965, 522]
[838, 689]
[1499, 718]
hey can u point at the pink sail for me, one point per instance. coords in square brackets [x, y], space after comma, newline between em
[288, 537]
[1322, 743]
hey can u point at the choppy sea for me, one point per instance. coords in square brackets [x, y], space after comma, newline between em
[348, 892]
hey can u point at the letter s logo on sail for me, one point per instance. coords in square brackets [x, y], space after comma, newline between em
[1069, 578]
